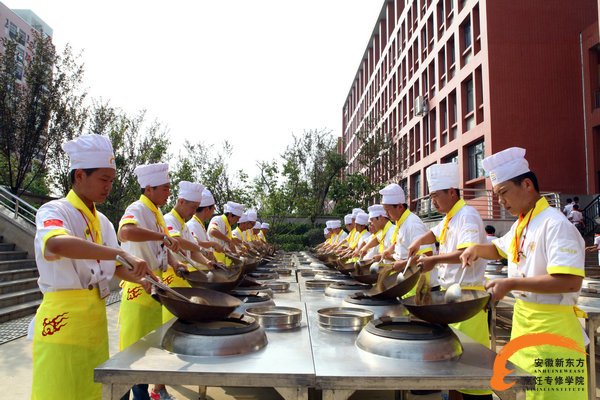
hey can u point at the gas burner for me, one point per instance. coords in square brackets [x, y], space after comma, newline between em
[252, 299]
[409, 340]
[343, 289]
[362, 299]
[380, 307]
[234, 335]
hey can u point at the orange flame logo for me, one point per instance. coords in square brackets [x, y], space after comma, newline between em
[529, 340]
[50, 327]
[134, 292]
[169, 279]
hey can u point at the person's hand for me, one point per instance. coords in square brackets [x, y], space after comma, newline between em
[499, 288]
[217, 247]
[399, 265]
[139, 265]
[469, 256]
[413, 248]
[172, 243]
[427, 263]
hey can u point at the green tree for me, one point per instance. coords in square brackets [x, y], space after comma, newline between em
[35, 108]
[353, 191]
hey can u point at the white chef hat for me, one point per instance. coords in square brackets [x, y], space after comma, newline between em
[443, 176]
[234, 208]
[348, 219]
[190, 191]
[362, 218]
[243, 218]
[376, 210]
[207, 198]
[326, 231]
[506, 165]
[90, 151]
[333, 224]
[256, 225]
[152, 174]
[356, 211]
[264, 225]
[251, 215]
[392, 194]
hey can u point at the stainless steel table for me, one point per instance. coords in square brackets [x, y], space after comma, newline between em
[342, 368]
[285, 364]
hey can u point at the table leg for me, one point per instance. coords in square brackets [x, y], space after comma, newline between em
[114, 391]
[336, 394]
[201, 392]
[293, 393]
[493, 329]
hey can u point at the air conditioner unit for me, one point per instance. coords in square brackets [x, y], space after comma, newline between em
[421, 105]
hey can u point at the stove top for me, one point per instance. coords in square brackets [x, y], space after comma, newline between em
[410, 340]
[362, 299]
[234, 335]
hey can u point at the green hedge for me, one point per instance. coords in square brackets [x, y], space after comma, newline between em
[295, 236]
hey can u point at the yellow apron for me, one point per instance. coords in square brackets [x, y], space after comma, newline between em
[139, 314]
[70, 340]
[476, 328]
[571, 383]
[221, 257]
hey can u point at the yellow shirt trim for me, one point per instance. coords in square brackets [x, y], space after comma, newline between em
[399, 223]
[448, 217]
[560, 269]
[465, 245]
[47, 236]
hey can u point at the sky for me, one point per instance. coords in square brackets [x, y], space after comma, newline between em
[252, 72]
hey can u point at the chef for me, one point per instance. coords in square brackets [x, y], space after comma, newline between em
[461, 228]
[188, 200]
[197, 226]
[241, 230]
[546, 257]
[75, 251]
[384, 231]
[142, 231]
[264, 229]
[221, 232]
[408, 227]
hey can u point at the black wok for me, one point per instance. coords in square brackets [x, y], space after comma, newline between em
[216, 305]
[440, 312]
[220, 280]
[390, 288]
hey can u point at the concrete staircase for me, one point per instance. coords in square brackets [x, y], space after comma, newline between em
[19, 292]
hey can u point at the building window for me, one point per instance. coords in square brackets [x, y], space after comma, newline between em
[416, 186]
[452, 158]
[476, 155]
[467, 36]
[469, 103]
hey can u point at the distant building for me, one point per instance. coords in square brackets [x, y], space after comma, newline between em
[18, 25]
[457, 80]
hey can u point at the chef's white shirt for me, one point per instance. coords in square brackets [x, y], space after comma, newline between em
[217, 223]
[59, 217]
[177, 229]
[153, 252]
[465, 229]
[197, 229]
[551, 245]
[411, 229]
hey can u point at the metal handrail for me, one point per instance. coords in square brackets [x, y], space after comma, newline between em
[485, 201]
[591, 214]
[18, 207]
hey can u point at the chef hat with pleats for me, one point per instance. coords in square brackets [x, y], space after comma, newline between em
[251, 215]
[190, 191]
[264, 225]
[377, 210]
[233, 208]
[348, 219]
[362, 218]
[356, 211]
[90, 151]
[443, 176]
[506, 165]
[256, 225]
[207, 198]
[333, 224]
[152, 174]
[243, 218]
[392, 194]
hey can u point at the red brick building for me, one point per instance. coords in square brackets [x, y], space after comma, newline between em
[445, 80]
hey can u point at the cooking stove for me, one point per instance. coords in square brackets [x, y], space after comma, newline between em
[343, 289]
[380, 307]
[399, 337]
[234, 335]
[252, 299]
